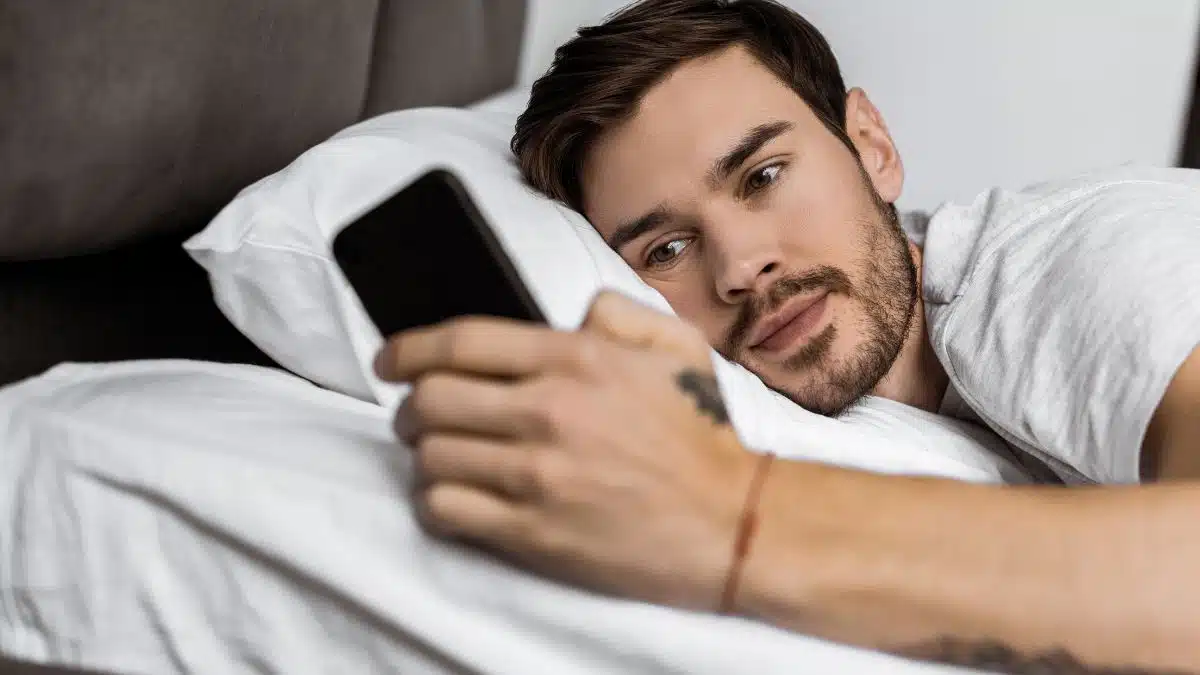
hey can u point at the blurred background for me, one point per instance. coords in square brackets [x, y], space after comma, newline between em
[982, 94]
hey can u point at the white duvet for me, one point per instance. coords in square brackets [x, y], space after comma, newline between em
[183, 517]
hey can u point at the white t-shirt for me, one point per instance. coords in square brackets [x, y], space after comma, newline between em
[1061, 312]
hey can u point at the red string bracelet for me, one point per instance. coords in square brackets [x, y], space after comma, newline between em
[745, 532]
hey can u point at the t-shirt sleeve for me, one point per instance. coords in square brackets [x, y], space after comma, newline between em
[1075, 314]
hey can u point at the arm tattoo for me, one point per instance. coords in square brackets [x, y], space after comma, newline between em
[703, 389]
[999, 658]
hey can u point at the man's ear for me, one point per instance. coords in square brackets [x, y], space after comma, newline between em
[869, 133]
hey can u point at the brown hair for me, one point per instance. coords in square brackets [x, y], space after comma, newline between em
[598, 77]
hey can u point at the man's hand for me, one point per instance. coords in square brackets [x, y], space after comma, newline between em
[603, 457]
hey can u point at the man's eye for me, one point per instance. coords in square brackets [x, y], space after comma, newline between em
[762, 178]
[665, 254]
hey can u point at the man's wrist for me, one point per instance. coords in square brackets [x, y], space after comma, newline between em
[745, 532]
[827, 567]
[789, 559]
[868, 559]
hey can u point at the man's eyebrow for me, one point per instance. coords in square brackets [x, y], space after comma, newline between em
[636, 228]
[722, 168]
[751, 143]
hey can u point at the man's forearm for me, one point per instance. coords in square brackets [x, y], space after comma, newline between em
[930, 567]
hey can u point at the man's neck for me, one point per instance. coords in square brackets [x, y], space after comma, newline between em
[917, 377]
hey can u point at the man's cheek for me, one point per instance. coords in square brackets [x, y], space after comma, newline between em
[684, 292]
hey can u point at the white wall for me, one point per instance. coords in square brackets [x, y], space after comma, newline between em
[986, 93]
[549, 23]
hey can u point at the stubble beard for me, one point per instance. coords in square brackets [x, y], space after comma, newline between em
[886, 292]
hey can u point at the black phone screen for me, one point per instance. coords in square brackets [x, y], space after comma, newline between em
[425, 255]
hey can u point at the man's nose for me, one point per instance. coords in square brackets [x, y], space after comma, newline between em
[747, 259]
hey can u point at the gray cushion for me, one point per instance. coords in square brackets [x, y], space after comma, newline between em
[411, 63]
[123, 119]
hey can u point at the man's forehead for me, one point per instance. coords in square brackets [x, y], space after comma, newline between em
[678, 129]
[711, 77]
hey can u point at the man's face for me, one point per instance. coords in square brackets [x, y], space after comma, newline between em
[727, 194]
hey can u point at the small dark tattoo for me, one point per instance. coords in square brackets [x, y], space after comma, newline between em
[706, 392]
[1000, 658]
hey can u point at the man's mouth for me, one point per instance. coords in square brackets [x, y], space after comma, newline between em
[794, 321]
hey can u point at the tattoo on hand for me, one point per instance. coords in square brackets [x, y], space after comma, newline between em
[705, 391]
[1000, 658]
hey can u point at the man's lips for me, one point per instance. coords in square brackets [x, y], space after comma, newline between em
[772, 326]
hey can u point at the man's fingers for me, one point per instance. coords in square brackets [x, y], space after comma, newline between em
[628, 322]
[480, 345]
[464, 405]
[496, 466]
[461, 511]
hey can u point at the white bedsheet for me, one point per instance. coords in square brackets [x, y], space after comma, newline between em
[184, 517]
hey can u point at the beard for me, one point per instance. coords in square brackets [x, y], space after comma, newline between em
[887, 293]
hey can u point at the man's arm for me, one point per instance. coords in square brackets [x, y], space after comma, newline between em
[1171, 450]
[991, 576]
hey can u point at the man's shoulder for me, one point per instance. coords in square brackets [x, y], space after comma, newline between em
[1102, 179]
[1061, 310]
[1127, 188]
[1113, 212]
[1114, 197]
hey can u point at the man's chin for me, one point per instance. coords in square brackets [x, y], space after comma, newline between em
[820, 398]
[815, 388]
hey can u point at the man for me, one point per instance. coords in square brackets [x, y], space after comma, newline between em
[715, 147]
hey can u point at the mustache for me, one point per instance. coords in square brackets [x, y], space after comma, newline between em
[823, 277]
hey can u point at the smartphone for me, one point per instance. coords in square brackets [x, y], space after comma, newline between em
[425, 254]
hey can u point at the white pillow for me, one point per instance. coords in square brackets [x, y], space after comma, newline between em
[510, 101]
[268, 256]
[268, 252]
